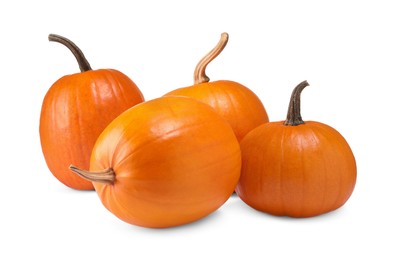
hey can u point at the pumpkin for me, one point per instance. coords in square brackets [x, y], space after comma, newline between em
[166, 162]
[76, 109]
[296, 168]
[241, 107]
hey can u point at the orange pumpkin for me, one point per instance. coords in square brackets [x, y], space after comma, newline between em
[165, 162]
[296, 168]
[236, 103]
[76, 109]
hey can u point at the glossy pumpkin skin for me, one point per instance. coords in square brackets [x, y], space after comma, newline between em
[298, 171]
[236, 103]
[76, 109]
[241, 107]
[174, 159]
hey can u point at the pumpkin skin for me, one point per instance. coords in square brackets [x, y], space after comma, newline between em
[241, 107]
[173, 160]
[75, 111]
[236, 103]
[299, 170]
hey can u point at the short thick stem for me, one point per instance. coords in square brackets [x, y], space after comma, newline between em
[82, 61]
[200, 70]
[294, 117]
[106, 176]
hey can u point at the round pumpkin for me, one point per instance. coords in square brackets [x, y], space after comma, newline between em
[165, 162]
[74, 112]
[296, 168]
[241, 107]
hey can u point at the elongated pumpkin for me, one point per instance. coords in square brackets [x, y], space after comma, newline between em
[296, 168]
[165, 162]
[240, 106]
[76, 109]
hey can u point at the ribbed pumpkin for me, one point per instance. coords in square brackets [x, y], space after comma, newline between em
[240, 106]
[165, 162]
[296, 168]
[76, 109]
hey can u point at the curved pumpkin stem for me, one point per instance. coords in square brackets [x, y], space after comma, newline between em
[82, 61]
[294, 117]
[200, 70]
[106, 176]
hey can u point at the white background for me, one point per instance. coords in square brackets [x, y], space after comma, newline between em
[343, 48]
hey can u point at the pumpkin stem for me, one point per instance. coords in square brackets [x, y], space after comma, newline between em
[82, 61]
[294, 117]
[106, 176]
[200, 70]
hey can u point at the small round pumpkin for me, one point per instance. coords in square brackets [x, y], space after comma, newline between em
[296, 168]
[76, 109]
[241, 107]
[166, 162]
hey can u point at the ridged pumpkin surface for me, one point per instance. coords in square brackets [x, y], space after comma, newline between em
[298, 171]
[75, 111]
[296, 168]
[241, 107]
[236, 103]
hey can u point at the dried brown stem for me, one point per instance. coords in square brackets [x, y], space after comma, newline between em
[80, 57]
[294, 117]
